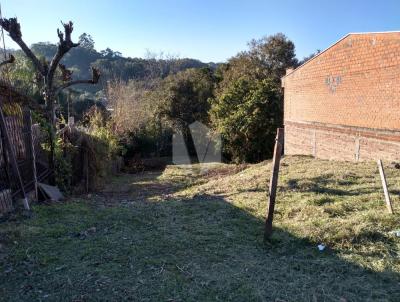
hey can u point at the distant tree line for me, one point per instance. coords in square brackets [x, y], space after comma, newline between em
[112, 64]
[151, 98]
[241, 100]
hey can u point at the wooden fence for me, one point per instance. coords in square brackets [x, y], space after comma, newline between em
[25, 141]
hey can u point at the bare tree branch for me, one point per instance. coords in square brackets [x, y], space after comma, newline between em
[46, 71]
[11, 59]
[13, 28]
[65, 73]
[93, 80]
[64, 45]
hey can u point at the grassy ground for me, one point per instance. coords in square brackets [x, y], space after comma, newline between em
[177, 236]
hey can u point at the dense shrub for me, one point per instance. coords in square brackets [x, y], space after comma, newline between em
[248, 102]
[85, 155]
[247, 115]
[145, 114]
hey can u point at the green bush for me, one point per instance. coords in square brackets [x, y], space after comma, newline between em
[84, 156]
[63, 153]
[248, 102]
[247, 114]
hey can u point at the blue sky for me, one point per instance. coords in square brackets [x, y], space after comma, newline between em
[207, 30]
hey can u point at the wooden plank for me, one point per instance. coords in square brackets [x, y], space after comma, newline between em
[4, 159]
[274, 182]
[384, 185]
[52, 192]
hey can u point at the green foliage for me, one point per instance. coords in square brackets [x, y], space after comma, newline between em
[111, 63]
[242, 99]
[274, 54]
[114, 66]
[85, 153]
[247, 114]
[86, 41]
[63, 154]
[248, 105]
[309, 57]
[145, 113]
[76, 103]
[22, 75]
[39, 118]
[149, 140]
[106, 144]
[184, 97]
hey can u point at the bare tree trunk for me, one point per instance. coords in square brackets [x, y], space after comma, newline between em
[47, 71]
[51, 131]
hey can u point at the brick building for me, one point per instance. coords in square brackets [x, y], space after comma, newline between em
[345, 102]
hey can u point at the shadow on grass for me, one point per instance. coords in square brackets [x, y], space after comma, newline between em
[320, 184]
[198, 249]
[142, 186]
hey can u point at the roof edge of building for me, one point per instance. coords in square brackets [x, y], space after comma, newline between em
[341, 39]
[317, 55]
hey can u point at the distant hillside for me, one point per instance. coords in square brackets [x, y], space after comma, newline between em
[112, 64]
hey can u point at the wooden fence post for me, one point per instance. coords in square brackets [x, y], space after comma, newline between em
[31, 149]
[384, 185]
[274, 182]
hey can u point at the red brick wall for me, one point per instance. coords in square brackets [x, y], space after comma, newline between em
[341, 143]
[345, 103]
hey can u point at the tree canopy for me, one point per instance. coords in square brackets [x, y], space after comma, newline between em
[241, 99]
[248, 103]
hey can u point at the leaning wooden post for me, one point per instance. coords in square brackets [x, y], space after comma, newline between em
[274, 182]
[384, 185]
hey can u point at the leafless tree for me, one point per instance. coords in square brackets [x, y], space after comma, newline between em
[47, 70]
[130, 105]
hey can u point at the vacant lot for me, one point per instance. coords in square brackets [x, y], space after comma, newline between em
[180, 236]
